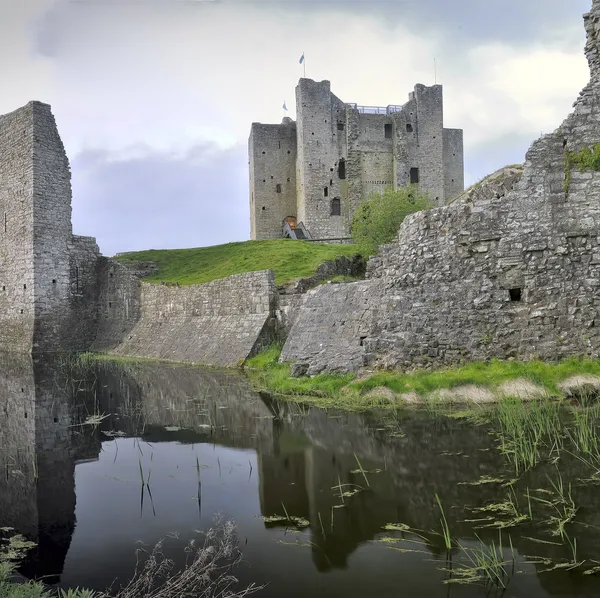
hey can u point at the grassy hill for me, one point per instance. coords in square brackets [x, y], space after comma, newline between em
[289, 259]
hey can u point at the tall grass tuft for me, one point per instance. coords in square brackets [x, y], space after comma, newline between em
[445, 527]
[528, 431]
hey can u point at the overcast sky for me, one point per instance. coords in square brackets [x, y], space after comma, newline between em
[154, 99]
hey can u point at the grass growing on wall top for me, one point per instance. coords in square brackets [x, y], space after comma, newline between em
[288, 258]
[585, 159]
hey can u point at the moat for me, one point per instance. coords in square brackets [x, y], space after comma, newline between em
[311, 491]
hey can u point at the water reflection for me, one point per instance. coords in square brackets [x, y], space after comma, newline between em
[205, 442]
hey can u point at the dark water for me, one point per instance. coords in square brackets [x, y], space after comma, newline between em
[75, 489]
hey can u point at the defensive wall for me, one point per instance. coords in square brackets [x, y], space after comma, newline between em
[510, 269]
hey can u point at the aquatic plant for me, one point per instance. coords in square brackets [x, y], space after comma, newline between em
[445, 527]
[208, 572]
[528, 432]
[487, 563]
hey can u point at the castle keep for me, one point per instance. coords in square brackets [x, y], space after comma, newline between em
[307, 177]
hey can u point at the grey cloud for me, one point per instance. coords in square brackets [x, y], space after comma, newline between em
[485, 158]
[456, 24]
[161, 201]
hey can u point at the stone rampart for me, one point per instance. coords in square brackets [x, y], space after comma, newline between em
[218, 323]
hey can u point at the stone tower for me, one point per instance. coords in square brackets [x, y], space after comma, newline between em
[308, 177]
[40, 279]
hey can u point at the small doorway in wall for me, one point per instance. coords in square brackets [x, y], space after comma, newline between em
[342, 168]
[387, 128]
[336, 207]
[414, 176]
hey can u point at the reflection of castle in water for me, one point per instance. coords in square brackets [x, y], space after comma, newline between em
[39, 448]
[305, 459]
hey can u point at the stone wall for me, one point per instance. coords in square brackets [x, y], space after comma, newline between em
[84, 261]
[293, 294]
[16, 230]
[47, 276]
[513, 273]
[218, 323]
[52, 232]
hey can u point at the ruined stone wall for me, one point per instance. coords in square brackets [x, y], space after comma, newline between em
[52, 232]
[272, 152]
[16, 230]
[40, 310]
[84, 261]
[218, 323]
[498, 275]
[118, 304]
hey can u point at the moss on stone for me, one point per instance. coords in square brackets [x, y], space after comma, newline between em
[588, 158]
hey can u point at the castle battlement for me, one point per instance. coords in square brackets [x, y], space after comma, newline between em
[316, 170]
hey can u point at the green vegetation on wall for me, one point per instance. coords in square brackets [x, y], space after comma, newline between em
[378, 218]
[289, 259]
[585, 159]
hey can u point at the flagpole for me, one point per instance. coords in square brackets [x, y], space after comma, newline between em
[435, 71]
[304, 64]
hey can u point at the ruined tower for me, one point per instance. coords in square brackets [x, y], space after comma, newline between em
[307, 177]
[42, 275]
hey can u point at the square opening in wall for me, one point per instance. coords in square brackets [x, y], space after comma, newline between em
[387, 129]
[409, 128]
[515, 294]
[278, 188]
[340, 126]
[414, 176]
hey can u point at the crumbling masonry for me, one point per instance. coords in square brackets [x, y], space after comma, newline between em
[308, 177]
[510, 269]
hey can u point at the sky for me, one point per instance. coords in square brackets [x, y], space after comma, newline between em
[154, 99]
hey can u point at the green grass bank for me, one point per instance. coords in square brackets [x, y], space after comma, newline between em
[289, 259]
[478, 382]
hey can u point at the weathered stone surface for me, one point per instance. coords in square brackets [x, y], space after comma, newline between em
[57, 293]
[331, 327]
[318, 169]
[219, 323]
[292, 295]
[511, 274]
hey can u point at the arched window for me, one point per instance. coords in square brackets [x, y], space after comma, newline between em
[336, 207]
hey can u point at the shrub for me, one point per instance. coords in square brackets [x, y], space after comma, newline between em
[378, 219]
